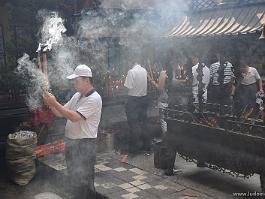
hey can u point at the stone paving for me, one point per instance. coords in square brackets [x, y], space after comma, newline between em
[137, 179]
[118, 180]
[124, 181]
[190, 182]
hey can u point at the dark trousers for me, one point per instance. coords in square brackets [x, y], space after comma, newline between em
[221, 94]
[80, 157]
[136, 112]
[247, 94]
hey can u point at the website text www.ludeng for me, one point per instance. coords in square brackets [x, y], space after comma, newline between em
[248, 194]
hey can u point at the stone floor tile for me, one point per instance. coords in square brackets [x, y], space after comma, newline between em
[125, 186]
[138, 171]
[172, 185]
[108, 189]
[146, 195]
[159, 192]
[108, 185]
[107, 178]
[117, 195]
[102, 162]
[102, 167]
[144, 186]
[137, 182]
[126, 176]
[119, 169]
[139, 177]
[129, 196]
[161, 187]
[114, 163]
[133, 190]
[152, 179]
[187, 194]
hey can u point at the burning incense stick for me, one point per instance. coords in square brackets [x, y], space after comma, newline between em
[151, 73]
[43, 65]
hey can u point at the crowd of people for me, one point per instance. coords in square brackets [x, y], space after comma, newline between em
[216, 83]
[233, 90]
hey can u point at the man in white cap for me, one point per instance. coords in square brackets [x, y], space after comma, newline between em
[83, 113]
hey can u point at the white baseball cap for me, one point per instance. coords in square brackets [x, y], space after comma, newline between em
[81, 71]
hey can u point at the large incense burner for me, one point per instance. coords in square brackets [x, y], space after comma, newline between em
[225, 143]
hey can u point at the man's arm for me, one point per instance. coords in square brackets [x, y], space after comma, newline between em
[129, 80]
[233, 81]
[233, 90]
[57, 113]
[260, 86]
[162, 79]
[60, 109]
[67, 113]
[259, 80]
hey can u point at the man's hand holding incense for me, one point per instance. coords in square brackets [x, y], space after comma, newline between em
[49, 99]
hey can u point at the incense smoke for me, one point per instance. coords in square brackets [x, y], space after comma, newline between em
[52, 28]
[99, 31]
[33, 79]
[134, 24]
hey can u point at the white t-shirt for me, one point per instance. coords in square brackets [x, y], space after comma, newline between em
[136, 81]
[90, 108]
[205, 78]
[251, 77]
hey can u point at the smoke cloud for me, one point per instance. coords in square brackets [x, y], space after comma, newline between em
[52, 28]
[129, 24]
[33, 79]
[60, 59]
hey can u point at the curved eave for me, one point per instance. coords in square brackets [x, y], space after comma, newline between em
[231, 21]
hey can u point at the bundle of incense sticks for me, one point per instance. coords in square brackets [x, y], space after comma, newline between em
[150, 74]
[55, 147]
[43, 64]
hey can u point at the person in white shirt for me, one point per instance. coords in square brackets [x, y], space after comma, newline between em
[250, 84]
[136, 108]
[83, 113]
[201, 79]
